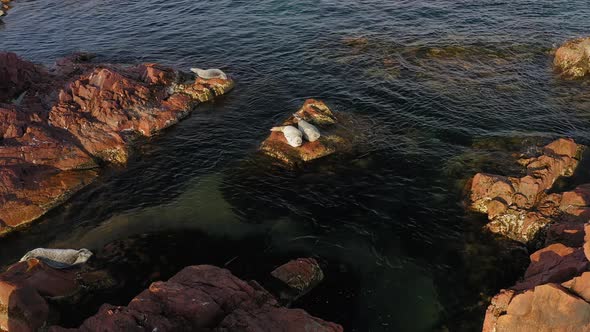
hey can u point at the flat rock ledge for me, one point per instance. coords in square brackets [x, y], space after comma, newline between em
[60, 125]
[336, 136]
[572, 59]
[198, 298]
[519, 208]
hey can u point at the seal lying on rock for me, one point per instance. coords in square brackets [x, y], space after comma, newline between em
[310, 132]
[292, 134]
[209, 73]
[59, 258]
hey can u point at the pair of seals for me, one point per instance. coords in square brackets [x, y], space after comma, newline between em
[294, 135]
[59, 258]
[209, 73]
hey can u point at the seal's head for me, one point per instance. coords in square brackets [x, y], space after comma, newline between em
[83, 256]
[295, 141]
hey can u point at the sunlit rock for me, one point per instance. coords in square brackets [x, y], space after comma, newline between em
[58, 126]
[336, 136]
[572, 59]
[299, 276]
[519, 207]
[553, 295]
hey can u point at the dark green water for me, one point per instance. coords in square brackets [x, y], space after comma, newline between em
[446, 88]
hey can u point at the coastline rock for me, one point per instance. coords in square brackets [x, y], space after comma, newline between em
[572, 59]
[298, 277]
[554, 294]
[24, 290]
[34, 295]
[59, 126]
[519, 208]
[548, 307]
[4, 7]
[335, 137]
[203, 297]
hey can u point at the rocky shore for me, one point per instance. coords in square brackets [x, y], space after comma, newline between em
[519, 208]
[35, 296]
[60, 125]
[553, 294]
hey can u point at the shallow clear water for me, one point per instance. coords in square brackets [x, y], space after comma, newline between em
[443, 89]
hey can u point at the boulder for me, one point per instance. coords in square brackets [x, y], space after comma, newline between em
[572, 59]
[298, 276]
[58, 126]
[334, 129]
[24, 289]
[548, 307]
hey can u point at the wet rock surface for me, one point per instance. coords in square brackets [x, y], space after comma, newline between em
[30, 292]
[4, 7]
[552, 296]
[336, 136]
[207, 298]
[34, 295]
[519, 208]
[298, 277]
[552, 293]
[60, 125]
[572, 59]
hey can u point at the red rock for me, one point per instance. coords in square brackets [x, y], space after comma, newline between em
[496, 208]
[546, 308]
[575, 203]
[498, 306]
[334, 138]
[568, 233]
[580, 285]
[586, 246]
[298, 276]
[483, 188]
[572, 59]
[16, 75]
[203, 297]
[553, 264]
[562, 147]
[23, 288]
[528, 188]
[74, 115]
[519, 208]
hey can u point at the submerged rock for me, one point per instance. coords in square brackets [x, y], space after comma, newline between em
[335, 137]
[572, 59]
[519, 207]
[58, 126]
